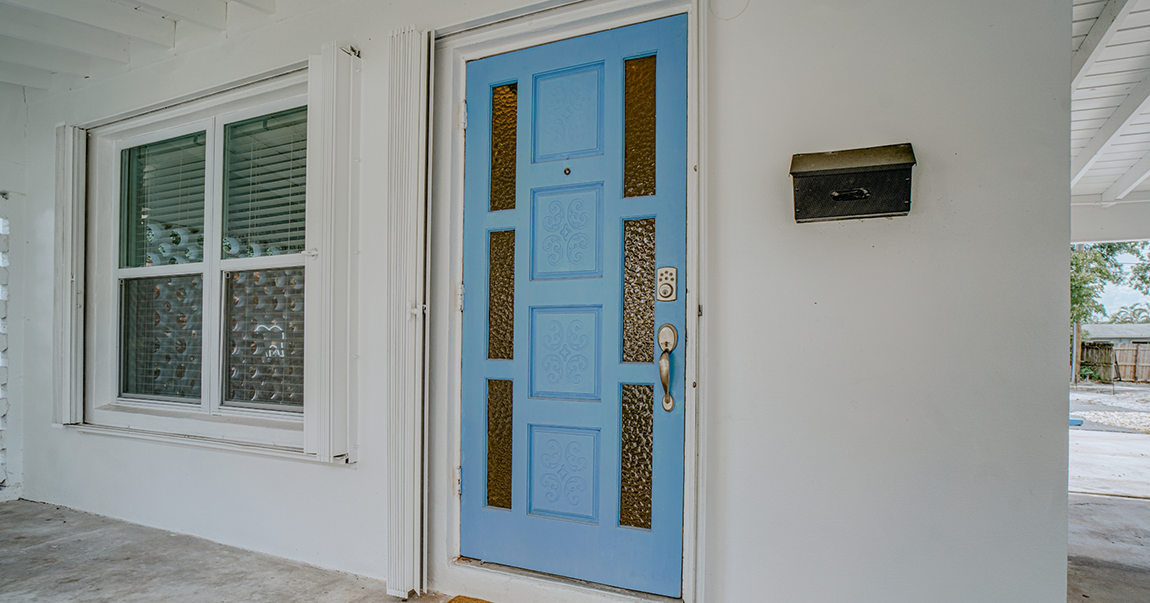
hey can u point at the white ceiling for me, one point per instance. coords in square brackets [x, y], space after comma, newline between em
[56, 44]
[1110, 105]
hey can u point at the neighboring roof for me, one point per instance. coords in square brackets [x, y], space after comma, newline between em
[1108, 331]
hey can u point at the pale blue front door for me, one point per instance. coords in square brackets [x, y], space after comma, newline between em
[574, 216]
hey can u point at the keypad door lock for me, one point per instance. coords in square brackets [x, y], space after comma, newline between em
[666, 284]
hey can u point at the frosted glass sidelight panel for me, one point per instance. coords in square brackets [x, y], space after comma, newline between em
[162, 202]
[504, 111]
[499, 448]
[501, 296]
[265, 164]
[639, 127]
[161, 339]
[637, 449]
[639, 290]
[263, 342]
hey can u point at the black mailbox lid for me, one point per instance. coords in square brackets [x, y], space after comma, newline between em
[853, 161]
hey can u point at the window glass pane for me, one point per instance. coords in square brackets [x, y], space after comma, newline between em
[161, 327]
[639, 127]
[162, 202]
[499, 436]
[264, 167]
[636, 467]
[639, 290]
[264, 338]
[504, 112]
[501, 296]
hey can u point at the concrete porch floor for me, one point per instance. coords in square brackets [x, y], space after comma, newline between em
[51, 553]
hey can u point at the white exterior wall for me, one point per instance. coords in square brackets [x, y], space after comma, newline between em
[863, 441]
[922, 456]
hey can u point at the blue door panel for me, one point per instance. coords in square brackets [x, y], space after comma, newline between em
[567, 368]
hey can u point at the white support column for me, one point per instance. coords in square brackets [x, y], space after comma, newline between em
[68, 302]
[408, 119]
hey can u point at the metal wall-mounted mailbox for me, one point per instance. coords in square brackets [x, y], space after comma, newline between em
[858, 183]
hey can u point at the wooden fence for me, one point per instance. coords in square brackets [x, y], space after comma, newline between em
[1133, 361]
[1099, 356]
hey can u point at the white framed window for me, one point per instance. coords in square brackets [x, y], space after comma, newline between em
[217, 265]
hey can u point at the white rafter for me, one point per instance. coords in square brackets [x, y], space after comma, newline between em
[1096, 199]
[212, 14]
[29, 77]
[1133, 106]
[39, 56]
[107, 15]
[45, 29]
[1100, 33]
[265, 6]
[1128, 181]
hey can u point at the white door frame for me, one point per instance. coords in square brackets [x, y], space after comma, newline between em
[532, 26]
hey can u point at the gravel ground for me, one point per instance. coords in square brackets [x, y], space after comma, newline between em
[1138, 421]
[1126, 406]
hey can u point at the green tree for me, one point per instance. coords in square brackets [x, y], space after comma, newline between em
[1135, 314]
[1098, 264]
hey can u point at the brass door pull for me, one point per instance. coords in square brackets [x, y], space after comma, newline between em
[668, 339]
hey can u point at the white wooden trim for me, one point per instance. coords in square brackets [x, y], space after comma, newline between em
[1127, 112]
[408, 94]
[68, 298]
[1097, 38]
[534, 25]
[333, 150]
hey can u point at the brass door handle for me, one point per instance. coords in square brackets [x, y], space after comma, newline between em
[668, 339]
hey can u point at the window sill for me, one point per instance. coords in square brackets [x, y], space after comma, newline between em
[257, 432]
[283, 452]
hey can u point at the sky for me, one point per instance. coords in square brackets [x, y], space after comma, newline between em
[1114, 297]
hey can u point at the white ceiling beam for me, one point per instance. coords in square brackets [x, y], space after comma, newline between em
[1096, 199]
[107, 15]
[62, 33]
[265, 6]
[1128, 181]
[39, 56]
[212, 14]
[1100, 34]
[29, 77]
[1133, 106]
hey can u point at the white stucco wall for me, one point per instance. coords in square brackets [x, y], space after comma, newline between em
[922, 456]
[881, 397]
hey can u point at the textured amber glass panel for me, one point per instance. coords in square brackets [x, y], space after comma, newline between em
[263, 343]
[639, 290]
[501, 296]
[638, 446]
[504, 105]
[161, 348]
[639, 127]
[499, 411]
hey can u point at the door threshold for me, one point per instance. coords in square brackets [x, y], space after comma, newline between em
[616, 593]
